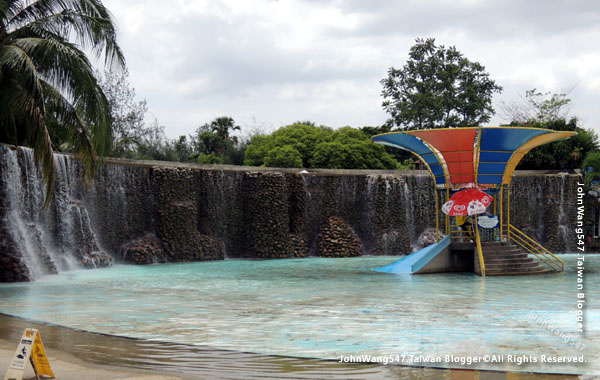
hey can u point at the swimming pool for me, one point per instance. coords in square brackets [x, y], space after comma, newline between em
[332, 309]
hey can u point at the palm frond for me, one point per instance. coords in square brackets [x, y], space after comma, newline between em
[26, 109]
[67, 68]
[14, 60]
[8, 8]
[62, 111]
[46, 77]
[90, 22]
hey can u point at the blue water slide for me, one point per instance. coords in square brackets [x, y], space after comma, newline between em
[416, 261]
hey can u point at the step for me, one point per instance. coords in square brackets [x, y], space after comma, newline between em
[499, 246]
[510, 260]
[496, 244]
[496, 255]
[508, 251]
[519, 266]
[541, 271]
[505, 257]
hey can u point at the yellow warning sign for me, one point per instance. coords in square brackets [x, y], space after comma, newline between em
[40, 360]
[30, 349]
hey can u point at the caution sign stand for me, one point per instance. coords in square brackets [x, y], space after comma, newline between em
[30, 349]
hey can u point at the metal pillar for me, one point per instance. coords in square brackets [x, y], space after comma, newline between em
[437, 216]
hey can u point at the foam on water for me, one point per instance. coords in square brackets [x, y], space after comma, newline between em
[325, 308]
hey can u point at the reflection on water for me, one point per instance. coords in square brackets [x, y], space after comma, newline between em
[320, 308]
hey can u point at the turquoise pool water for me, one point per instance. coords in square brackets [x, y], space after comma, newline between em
[326, 308]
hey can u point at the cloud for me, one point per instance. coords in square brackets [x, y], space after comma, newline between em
[280, 61]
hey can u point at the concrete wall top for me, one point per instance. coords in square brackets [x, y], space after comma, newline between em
[323, 172]
[317, 172]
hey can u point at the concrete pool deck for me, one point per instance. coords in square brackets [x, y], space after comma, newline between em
[76, 354]
[67, 367]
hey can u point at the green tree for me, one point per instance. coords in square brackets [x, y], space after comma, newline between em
[215, 138]
[47, 80]
[283, 157]
[438, 87]
[207, 142]
[257, 150]
[308, 146]
[591, 166]
[182, 149]
[352, 149]
[211, 158]
[303, 138]
[221, 126]
[153, 145]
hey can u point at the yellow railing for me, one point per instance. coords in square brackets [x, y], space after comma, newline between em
[466, 234]
[535, 248]
[479, 251]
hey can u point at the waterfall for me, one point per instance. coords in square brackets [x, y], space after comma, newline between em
[59, 237]
[408, 211]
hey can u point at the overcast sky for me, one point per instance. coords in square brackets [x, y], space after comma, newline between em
[270, 63]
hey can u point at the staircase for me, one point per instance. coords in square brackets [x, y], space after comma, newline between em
[508, 259]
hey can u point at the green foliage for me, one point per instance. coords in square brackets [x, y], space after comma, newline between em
[215, 137]
[309, 146]
[257, 150]
[211, 158]
[372, 131]
[284, 157]
[591, 160]
[153, 145]
[48, 89]
[564, 154]
[220, 127]
[438, 87]
[303, 138]
[399, 155]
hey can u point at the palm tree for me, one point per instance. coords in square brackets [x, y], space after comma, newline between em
[47, 84]
[221, 126]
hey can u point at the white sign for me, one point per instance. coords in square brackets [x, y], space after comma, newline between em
[488, 221]
[31, 343]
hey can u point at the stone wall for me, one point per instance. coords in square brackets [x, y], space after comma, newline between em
[176, 205]
[544, 207]
[153, 212]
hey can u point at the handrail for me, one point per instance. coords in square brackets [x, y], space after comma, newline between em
[479, 251]
[536, 248]
[457, 232]
[531, 249]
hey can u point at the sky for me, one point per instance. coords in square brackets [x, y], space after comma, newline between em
[270, 63]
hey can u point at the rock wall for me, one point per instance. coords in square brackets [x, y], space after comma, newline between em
[337, 239]
[149, 212]
[545, 208]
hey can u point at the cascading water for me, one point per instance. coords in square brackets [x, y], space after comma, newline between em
[563, 228]
[18, 211]
[408, 211]
[48, 239]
